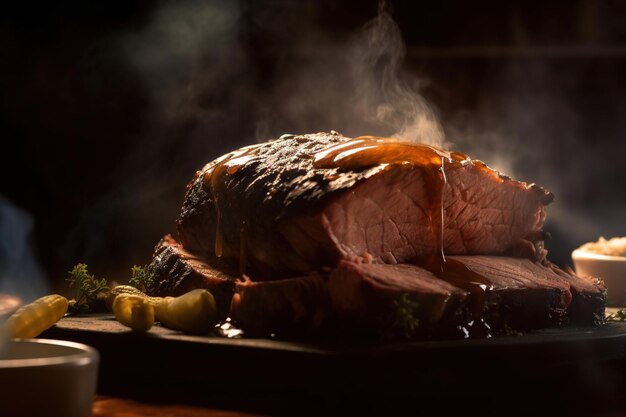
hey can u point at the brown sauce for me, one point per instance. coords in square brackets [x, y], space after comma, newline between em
[367, 151]
[219, 234]
[213, 179]
[479, 287]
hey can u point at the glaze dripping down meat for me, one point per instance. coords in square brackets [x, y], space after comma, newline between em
[354, 231]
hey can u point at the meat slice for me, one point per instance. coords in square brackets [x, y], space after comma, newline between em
[481, 295]
[589, 296]
[175, 271]
[552, 296]
[300, 203]
[399, 301]
[297, 307]
[508, 293]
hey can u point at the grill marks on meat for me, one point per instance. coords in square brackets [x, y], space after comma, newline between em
[291, 215]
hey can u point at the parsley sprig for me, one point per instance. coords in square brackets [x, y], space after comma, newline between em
[140, 278]
[87, 288]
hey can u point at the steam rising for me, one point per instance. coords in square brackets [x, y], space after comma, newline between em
[194, 60]
[355, 86]
[20, 273]
[382, 95]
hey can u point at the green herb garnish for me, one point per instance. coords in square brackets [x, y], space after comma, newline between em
[141, 278]
[404, 321]
[87, 289]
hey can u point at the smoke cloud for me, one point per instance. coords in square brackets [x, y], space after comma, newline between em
[383, 95]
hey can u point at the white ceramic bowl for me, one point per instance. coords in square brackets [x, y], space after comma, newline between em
[610, 269]
[41, 377]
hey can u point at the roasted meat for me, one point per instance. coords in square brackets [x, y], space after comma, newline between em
[315, 234]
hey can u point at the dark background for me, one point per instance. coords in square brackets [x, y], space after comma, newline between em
[108, 108]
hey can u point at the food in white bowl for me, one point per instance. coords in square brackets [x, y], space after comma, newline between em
[606, 260]
[613, 247]
[41, 377]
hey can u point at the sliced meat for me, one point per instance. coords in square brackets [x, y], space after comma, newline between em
[478, 295]
[551, 291]
[507, 292]
[399, 301]
[298, 204]
[589, 296]
[482, 294]
[175, 271]
[297, 307]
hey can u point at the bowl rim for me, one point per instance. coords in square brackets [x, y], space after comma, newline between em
[84, 355]
[583, 254]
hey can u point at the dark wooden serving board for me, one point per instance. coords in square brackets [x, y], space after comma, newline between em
[549, 368]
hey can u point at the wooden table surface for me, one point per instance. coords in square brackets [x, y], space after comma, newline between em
[105, 406]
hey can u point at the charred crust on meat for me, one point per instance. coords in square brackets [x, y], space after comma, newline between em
[546, 197]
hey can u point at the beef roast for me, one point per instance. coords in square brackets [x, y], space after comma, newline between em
[377, 236]
[300, 203]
